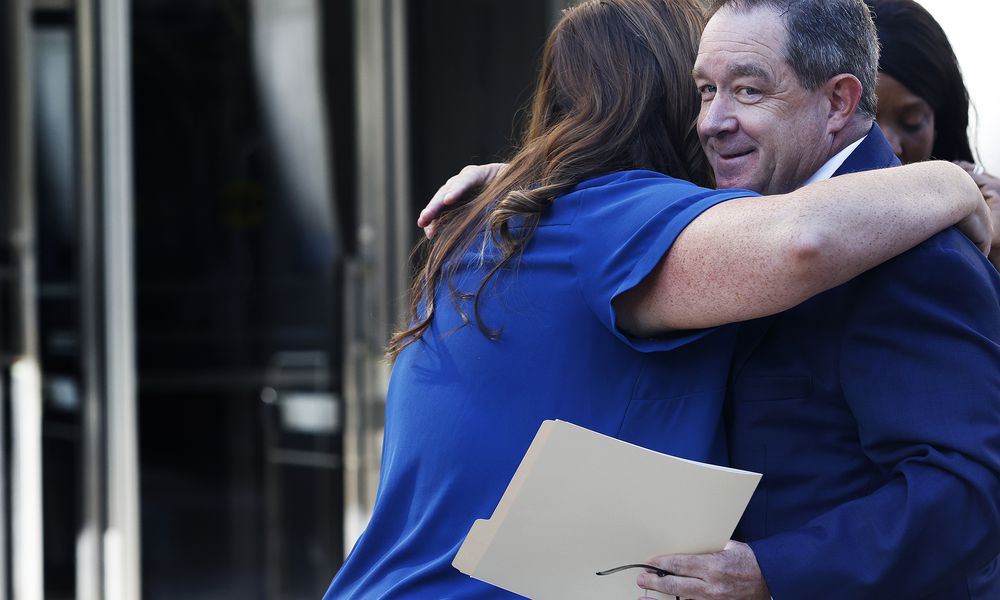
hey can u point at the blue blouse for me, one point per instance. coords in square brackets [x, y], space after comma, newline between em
[462, 409]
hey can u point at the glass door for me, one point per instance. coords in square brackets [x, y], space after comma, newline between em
[237, 264]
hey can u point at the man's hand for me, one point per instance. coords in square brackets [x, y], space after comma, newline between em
[732, 574]
[454, 190]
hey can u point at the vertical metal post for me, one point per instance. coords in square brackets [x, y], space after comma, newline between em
[4, 579]
[89, 546]
[26, 478]
[399, 212]
[8, 54]
[121, 538]
[376, 281]
[26, 396]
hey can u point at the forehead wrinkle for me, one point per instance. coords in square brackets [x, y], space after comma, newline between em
[744, 66]
[740, 38]
[740, 41]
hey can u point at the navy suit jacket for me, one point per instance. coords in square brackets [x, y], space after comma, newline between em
[873, 411]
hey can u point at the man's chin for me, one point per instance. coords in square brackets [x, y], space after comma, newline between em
[735, 172]
[736, 181]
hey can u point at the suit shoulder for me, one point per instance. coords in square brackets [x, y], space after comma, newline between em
[946, 261]
[949, 245]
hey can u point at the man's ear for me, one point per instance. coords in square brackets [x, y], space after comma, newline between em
[844, 94]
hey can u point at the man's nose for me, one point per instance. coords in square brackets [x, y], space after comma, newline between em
[716, 117]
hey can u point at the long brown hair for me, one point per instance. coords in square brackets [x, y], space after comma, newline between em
[614, 93]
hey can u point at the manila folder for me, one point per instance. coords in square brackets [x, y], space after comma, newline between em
[582, 502]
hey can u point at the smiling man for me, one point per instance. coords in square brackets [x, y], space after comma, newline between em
[873, 409]
[761, 127]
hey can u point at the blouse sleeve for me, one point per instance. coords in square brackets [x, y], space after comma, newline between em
[622, 231]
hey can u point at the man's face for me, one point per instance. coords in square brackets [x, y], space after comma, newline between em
[761, 129]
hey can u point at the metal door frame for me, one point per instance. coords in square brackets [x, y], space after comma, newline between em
[122, 544]
[376, 280]
[108, 548]
[25, 389]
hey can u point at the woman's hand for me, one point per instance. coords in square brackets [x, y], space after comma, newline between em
[982, 178]
[980, 227]
[455, 190]
[990, 187]
[993, 201]
[983, 226]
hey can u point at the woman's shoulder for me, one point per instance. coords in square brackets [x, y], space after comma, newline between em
[640, 192]
[627, 186]
[632, 178]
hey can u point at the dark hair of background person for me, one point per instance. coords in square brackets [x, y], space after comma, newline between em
[824, 38]
[916, 52]
[614, 93]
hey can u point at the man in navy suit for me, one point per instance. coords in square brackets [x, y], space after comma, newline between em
[873, 410]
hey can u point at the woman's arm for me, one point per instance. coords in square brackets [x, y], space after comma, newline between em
[752, 257]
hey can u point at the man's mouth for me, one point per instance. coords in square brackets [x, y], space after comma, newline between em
[733, 155]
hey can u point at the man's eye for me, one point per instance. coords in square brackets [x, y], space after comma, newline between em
[706, 91]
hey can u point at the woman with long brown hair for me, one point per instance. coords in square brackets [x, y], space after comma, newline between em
[517, 311]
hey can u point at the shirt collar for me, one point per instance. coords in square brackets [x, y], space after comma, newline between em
[830, 167]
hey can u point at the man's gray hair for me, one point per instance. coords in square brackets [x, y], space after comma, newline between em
[825, 38]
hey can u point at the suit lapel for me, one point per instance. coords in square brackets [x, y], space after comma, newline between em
[873, 153]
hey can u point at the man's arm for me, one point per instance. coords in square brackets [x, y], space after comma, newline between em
[752, 257]
[920, 370]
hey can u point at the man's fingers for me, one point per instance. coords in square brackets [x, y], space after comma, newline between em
[731, 573]
[672, 585]
[468, 179]
[457, 186]
[445, 195]
[455, 190]
[686, 565]
[433, 208]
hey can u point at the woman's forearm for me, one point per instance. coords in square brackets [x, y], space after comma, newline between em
[752, 257]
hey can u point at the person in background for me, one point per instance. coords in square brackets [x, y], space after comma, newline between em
[923, 104]
[516, 312]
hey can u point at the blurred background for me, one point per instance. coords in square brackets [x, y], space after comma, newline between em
[206, 212]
